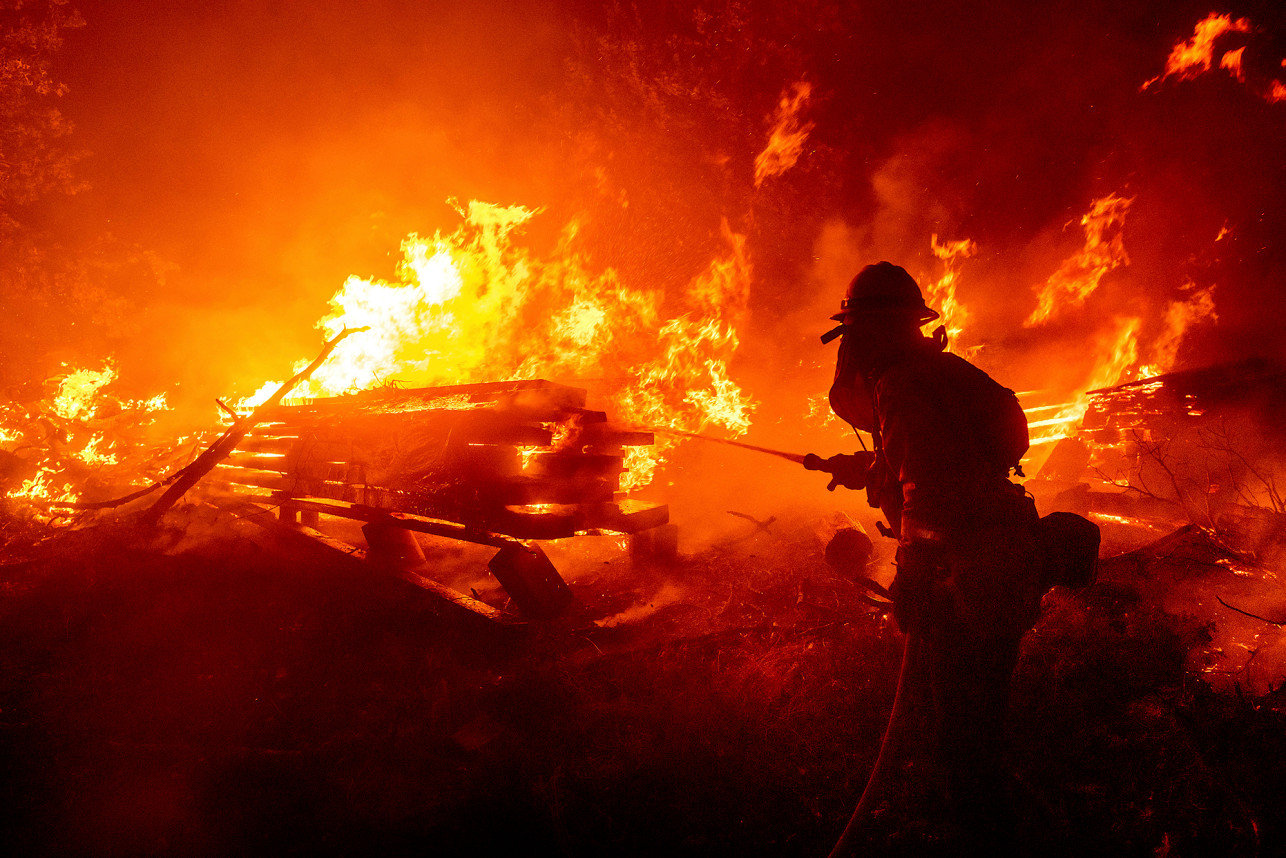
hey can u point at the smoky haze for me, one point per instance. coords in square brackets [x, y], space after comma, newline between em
[264, 152]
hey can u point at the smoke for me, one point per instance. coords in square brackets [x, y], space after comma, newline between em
[265, 156]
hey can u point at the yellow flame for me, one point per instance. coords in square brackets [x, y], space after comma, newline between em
[786, 141]
[1121, 351]
[77, 392]
[1078, 277]
[78, 400]
[526, 454]
[259, 397]
[41, 487]
[475, 306]
[90, 454]
[639, 466]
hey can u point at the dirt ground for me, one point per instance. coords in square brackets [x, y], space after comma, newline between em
[203, 692]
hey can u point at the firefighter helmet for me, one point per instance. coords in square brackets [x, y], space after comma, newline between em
[884, 286]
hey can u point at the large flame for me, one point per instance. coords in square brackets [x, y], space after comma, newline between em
[1078, 276]
[1118, 348]
[1118, 351]
[1119, 354]
[475, 306]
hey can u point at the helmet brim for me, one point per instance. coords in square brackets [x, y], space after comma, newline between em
[926, 314]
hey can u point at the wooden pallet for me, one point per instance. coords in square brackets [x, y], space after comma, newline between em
[496, 464]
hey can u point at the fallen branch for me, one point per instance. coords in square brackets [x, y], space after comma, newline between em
[223, 447]
[1278, 623]
[759, 525]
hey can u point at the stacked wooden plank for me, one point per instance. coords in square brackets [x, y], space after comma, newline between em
[1178, 404]
[522, 459]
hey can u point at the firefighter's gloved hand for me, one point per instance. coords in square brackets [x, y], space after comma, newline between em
[847, 470]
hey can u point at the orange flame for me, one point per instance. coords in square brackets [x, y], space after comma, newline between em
[1118, 350]
[941, 294]
[1119, 361]
[1231, 61]
[786, 142]
[73, 433]
[1179, 317]
[77, 391]
[474, 306]
[1194, 57]
[1078, 277]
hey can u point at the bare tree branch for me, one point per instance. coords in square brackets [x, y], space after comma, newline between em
[1249, 614]
[227, 442]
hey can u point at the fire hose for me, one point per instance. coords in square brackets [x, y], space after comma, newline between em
[848, 471]
[910, 674]
[797, 458]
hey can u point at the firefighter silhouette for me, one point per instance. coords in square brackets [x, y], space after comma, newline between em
[968, 582]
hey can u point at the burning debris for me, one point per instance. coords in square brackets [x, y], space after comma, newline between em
[1182, 471]
[485, 463]
[473, 307]
[77, 439]
[1206, 444]
[694, 179]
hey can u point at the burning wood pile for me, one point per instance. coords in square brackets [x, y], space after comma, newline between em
[1200, 444]
[490, 463]
[524, 458]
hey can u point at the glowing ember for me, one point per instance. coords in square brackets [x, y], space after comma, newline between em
[1107, 518]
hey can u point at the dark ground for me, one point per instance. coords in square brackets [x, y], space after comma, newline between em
[210, 696]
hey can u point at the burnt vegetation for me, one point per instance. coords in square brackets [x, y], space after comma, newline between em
[203, 691]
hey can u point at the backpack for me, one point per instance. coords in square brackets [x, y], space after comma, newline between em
[1001, 426]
